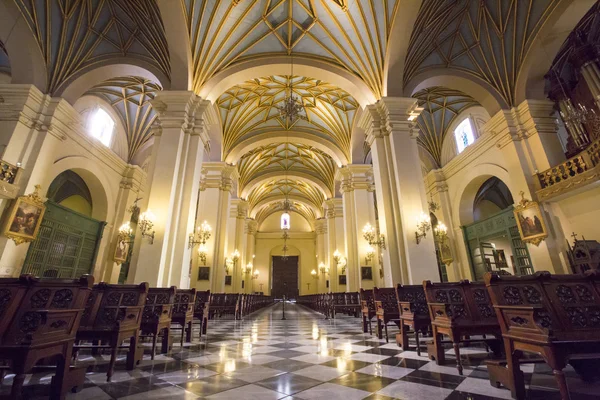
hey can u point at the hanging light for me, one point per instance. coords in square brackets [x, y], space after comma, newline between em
[573, 114]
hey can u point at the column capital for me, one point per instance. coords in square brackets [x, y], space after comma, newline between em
[355, 176]
[241, 208]
[321, 226]
[333, 208]
[132, 178]
[389, 115]
[251, 226]
[436, 182]
[180, 109]
[218, 175]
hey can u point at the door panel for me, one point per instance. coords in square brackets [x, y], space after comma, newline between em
[285, 277]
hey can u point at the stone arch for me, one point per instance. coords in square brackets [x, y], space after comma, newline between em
[481, 91]
[465, 195]
[560, 23]
[26, 60]
[397, 47]
[262, 139]
[301, 176]
[178, 40]
[73, 88]
[280, 65]
[98, 184]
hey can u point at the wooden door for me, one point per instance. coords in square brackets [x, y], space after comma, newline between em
[285, 277]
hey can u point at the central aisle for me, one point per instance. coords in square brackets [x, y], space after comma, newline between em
[304, 357]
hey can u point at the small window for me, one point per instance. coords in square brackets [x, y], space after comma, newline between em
[464, 135]
[102, 127]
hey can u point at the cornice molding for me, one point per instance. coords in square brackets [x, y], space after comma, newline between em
[355, 177]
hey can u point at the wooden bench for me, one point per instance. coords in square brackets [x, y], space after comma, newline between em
[224, 304]
[38, 320]
[183, 312]
[367, 306]
[156, 318]
[414, 314]
[347, 303]
[386, 310]
[112, 315]
[554, 316]
[459, 310]
[201, 309]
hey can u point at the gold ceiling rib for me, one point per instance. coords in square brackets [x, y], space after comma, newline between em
[279, 188]
[487, 39]
[306, 212]
[130, 97]
[441, 106]
[73, 35]
[280, 157]
[252, 105]
[223, 33]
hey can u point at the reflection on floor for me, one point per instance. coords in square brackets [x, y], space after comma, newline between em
[303, 357]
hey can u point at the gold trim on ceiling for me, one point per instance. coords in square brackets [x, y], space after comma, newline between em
[286, 187]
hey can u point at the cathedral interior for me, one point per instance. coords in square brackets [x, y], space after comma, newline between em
[311, 159]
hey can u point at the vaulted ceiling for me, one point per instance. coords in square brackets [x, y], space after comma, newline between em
[354, 38]
[130, 97]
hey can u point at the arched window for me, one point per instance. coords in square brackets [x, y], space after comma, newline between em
[464, 135]
[102, 127]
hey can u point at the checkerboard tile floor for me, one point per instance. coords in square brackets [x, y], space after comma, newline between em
[303, 357]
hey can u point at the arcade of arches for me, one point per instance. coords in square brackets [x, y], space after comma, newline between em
[415, 114]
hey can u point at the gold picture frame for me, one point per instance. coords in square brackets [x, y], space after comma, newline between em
[530, 221]
[25, 217]
[121, 251]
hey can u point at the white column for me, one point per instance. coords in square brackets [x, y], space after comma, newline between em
[334, 239]
[173, 178]
[215, 188]
[251, 228]
[359, 209]
[321, 231]
[240, 245]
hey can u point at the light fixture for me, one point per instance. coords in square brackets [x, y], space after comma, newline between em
[202, 253]
[423, 225]
[441, 234]
[228, 265]
[314, 274]
[340, 261]
[202, 234]
[573, 114]
[125, 233]
[235, 256]
[247, 270]
[369, 253]
[146, 223]
[372, 237]
[255, 274]
[323, 268]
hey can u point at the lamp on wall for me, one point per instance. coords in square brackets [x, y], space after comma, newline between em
[423, 225]
[314, 274]
[323, 268]
[235, 256]
[202, 253]
[369, 253]
[372, 237]
[441, 234]
[255, 274]
[146, 223]
[228, 265]
[202, 234]
[247, 270]
[340, 261]
[125, 233]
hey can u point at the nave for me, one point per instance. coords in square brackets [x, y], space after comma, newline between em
[304, 356]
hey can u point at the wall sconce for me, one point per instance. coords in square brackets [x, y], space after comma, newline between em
[372, 237]
[314, 274]
[255, 274]
[369, 253]
[247, 270]
[125, 233]
[323, 268]
[235, 256]
[423, 225]
[202, 253]
[228, 265]
[146, 223]
[340, 261]
[441, 234]
[203, 233]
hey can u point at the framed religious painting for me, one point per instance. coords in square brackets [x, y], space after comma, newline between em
[121, 251]
[366, 273]
[25, 217]
[204, 273]
[342, 279]
[530, 221]
[228, 280]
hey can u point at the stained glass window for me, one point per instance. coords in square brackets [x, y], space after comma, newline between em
[102, 127]
[464, 135]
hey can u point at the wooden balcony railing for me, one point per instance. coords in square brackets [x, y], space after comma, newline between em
[575, 172]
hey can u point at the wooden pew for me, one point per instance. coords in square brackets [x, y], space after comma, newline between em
[554, 316]
[201, 309]
[157, 316]
[414, 313]
[113, 315]
[386, 310]
[38, 320]
[338, 303]
[224, 304]
[183, 312]
[459, 310]
[367, 306]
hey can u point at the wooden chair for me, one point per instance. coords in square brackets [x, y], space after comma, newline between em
[113, 315]
[459, 310]
[554, 316]
[183, 312]
[386, 310]
[412, 307]
[157, 316]
[367, 305]
[201, 309]
[38, 320]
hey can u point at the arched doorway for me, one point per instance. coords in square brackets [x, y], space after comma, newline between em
[493, 239]
[68, 240]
